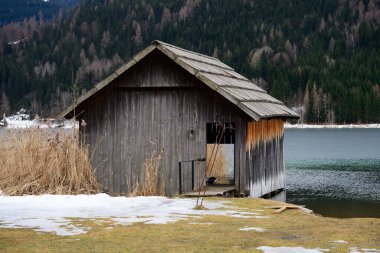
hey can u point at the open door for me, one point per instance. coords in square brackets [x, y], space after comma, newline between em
[220, 153]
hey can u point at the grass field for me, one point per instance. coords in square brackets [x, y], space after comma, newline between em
[291, 228]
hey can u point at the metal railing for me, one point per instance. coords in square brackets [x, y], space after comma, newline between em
[192, 172]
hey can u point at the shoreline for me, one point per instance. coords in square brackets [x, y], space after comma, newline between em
[10, 123]
[67, 124]
[332, 126]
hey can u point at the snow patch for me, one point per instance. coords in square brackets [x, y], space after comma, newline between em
[306, 126]
[364, 250]
[52, 213]
[261, 217]
[267, 249]
[22, 120]
[339, 241]
[260, 230]
[16, 42]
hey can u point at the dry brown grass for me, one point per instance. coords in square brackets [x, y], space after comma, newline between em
[38, 161]
[151, 185]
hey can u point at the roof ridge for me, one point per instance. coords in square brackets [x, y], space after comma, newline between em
[225, 75]
[211, 64]
[261, 101]
[186, 50]
[242, 88]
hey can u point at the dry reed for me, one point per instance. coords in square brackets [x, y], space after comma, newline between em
[220, 164]
[151, 185]
[38, 161]
[263, 131]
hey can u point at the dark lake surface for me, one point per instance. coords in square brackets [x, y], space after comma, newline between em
[334, 172]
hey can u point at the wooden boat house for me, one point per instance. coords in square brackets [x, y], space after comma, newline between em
[190, 106]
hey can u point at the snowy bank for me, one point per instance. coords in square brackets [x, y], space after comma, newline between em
[52, 213]
[306, 126]
[48, 123]
[22, 120]
[267, 249]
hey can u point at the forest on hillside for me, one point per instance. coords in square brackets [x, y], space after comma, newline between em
[321, 57]
[18, 10]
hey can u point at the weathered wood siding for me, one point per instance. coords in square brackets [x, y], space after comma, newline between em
[154, 105]
[265, 168]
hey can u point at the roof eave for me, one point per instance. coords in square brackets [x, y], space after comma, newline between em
[248, 111]
[289, 116]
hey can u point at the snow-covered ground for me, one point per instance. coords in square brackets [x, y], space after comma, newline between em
[49, 123]
[55, 213]
[283, 249]
[267, 249]
[23, 120]
[260, 230]
[306, 126]
[52, 213]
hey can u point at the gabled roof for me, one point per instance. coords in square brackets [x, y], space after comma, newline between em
[218, 76]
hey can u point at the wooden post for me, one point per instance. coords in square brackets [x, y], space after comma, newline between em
[192, 175]
[180, 177]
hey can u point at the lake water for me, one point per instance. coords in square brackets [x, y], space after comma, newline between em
[334, 172]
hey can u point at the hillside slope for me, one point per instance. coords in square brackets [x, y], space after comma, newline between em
[322, 57]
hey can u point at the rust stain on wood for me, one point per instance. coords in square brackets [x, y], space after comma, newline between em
[263, 131]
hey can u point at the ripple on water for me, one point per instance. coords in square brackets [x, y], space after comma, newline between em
[342, 179]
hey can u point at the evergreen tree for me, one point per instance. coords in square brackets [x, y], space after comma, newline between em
[328, 44]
